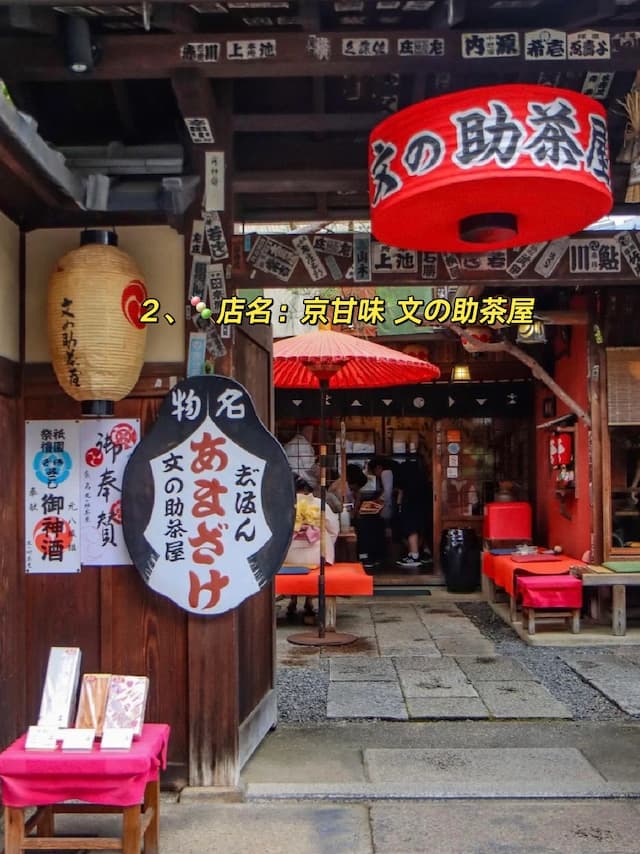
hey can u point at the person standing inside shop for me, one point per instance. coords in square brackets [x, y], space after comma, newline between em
[374, 530]
[414, 502]
[302, 456]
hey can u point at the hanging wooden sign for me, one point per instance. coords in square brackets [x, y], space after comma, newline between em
[208, 499]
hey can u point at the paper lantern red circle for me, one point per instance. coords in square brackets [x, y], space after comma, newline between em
[489, 168]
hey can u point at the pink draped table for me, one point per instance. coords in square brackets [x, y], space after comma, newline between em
[502, 571]
[109, 780]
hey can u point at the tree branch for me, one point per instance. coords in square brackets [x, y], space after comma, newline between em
[536, 369]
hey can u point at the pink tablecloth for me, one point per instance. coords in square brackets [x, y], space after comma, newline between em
[504, 568]
[538, 591]
[110, 777]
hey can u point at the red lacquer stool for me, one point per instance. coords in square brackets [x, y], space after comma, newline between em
[550, 597]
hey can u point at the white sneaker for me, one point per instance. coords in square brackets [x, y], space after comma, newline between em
[409, 561]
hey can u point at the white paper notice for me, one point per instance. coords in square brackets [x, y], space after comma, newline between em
[105, 447]
[116, 739]
[41, 738]
[52, 493]
[77, 739]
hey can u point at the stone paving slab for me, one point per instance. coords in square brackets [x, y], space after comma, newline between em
[473, 772]
[454, 629]
[363, 645]
[510, 827]
[446, 708]
[603, 666]
[409, 647]
[366, 700]
[439, 606]
[354, 668]
[199, 828]
[629, 653]
[393, 613]
[617, 677]
[520, 700]
[400, 632]
[495, 669]
[447, 680]
[461, 645]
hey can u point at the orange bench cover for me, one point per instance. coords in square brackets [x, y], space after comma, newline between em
[341, 579]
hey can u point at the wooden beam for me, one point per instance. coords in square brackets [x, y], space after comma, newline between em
[30, 174]
[309, 15]
[456, 11]
[301, 181]
[436, 270]
[174, 17]
[124, 108]
[152, 55]
[195, 99]
[306, 122]
[33, 20]
[589, 12]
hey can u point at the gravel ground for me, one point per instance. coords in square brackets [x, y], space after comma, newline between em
[585, 702]
[302, 694]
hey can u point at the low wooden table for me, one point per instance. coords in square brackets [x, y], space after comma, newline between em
[119, 781]
[600, 577]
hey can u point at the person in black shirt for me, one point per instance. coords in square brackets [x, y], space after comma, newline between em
[415, 511]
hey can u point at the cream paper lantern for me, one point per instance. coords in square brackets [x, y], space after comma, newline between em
[96, 333]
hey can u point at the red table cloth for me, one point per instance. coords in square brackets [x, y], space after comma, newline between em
[563, 591]
[504, 569]
[487, 564]
[109, 777]
[341, 579]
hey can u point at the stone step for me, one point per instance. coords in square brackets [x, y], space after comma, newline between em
[442, 773]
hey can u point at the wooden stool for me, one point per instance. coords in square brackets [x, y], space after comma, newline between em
[125, 782]
[550, 597]
[138, 827]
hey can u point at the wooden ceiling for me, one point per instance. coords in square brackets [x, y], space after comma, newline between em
[326, 73]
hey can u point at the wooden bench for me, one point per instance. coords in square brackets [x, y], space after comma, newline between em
[550, 597]
[341, 579]
[600, 577]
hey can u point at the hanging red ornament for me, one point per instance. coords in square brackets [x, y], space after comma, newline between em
[489, 168]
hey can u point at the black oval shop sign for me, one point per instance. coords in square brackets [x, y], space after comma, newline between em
[208, 501]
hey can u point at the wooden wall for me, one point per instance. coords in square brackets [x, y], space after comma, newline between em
[12, 661]
[207, 675]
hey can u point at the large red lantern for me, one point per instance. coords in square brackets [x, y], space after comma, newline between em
[489, 168]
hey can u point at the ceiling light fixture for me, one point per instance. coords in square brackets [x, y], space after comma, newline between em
[79, 49]
[460, 374]
[531, 333]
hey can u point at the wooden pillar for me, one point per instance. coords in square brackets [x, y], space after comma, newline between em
[595, 380]
[213, 645]
[13, 654]
[619, 610]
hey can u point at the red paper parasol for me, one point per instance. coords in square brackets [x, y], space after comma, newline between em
[346, 361]
[324, 360]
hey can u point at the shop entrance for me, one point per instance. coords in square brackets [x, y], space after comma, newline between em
[454, 467]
